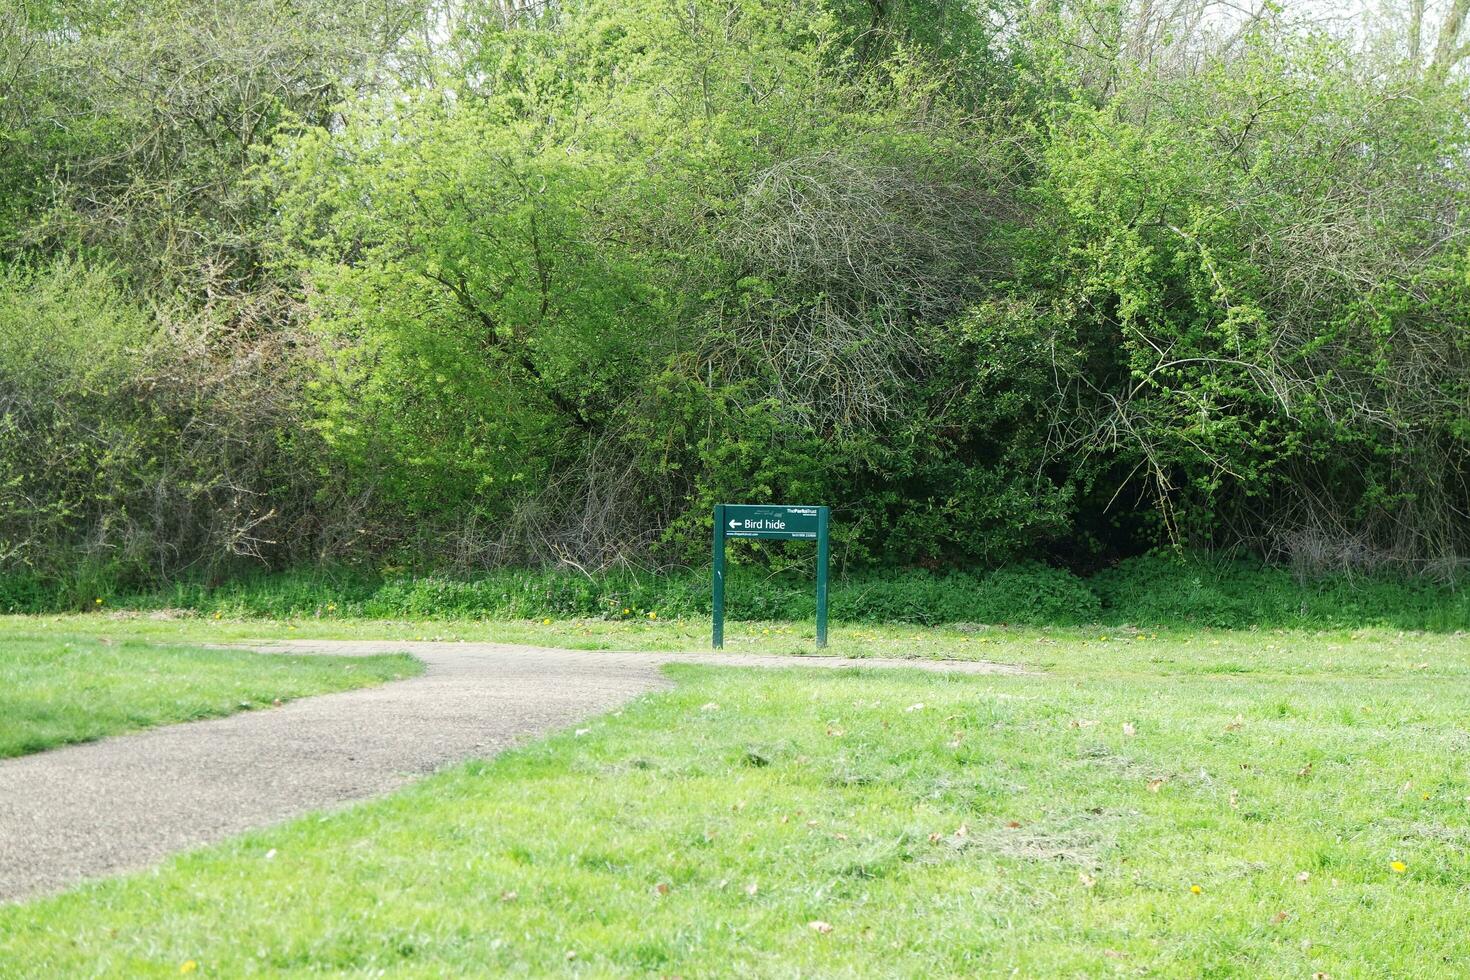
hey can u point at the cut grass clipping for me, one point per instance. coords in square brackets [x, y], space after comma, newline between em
[56, 689]
[865, 822]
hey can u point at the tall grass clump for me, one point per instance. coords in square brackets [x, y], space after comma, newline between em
[1156, 591]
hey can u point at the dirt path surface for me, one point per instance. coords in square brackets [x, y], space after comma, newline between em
[127, 802]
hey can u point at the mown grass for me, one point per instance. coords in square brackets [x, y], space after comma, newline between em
[58, 687]
[1266, 804]
[1092, 650]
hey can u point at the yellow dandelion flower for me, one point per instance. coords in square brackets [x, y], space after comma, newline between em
[653, 615]
[545, 622]
[1399, 867]
[1195, 889]
[99, 600]
[188, 966]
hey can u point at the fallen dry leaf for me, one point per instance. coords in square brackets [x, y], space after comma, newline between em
[936, 837]
[1304, 876]
[752, 888]
[1013, 824]
[662, 888]
[1280, 917]
[1086, 879]
[817, 925]
[1305, 770]
[508, 896]
[963, 830]
[1128, 728]
[1154, 784]
[1236, 725]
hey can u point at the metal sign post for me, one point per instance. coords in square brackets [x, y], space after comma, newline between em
[770, 522]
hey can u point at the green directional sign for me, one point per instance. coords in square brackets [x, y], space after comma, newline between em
[776, 523]
[771, 522]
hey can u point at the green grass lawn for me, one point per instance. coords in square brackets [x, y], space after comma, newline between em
[58, 686]
[1187, 805]
[1092, 650]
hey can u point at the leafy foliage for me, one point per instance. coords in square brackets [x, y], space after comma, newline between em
[540, 284]
[133, 444]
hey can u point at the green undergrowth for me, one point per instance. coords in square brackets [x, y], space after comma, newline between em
[1152, 591]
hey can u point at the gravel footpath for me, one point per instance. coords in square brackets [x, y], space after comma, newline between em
[127, 802]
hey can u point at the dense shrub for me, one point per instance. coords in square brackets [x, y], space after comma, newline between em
[285, 285]
[134, 445]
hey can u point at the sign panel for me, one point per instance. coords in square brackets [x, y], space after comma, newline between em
[770, 522]
[778, 522]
